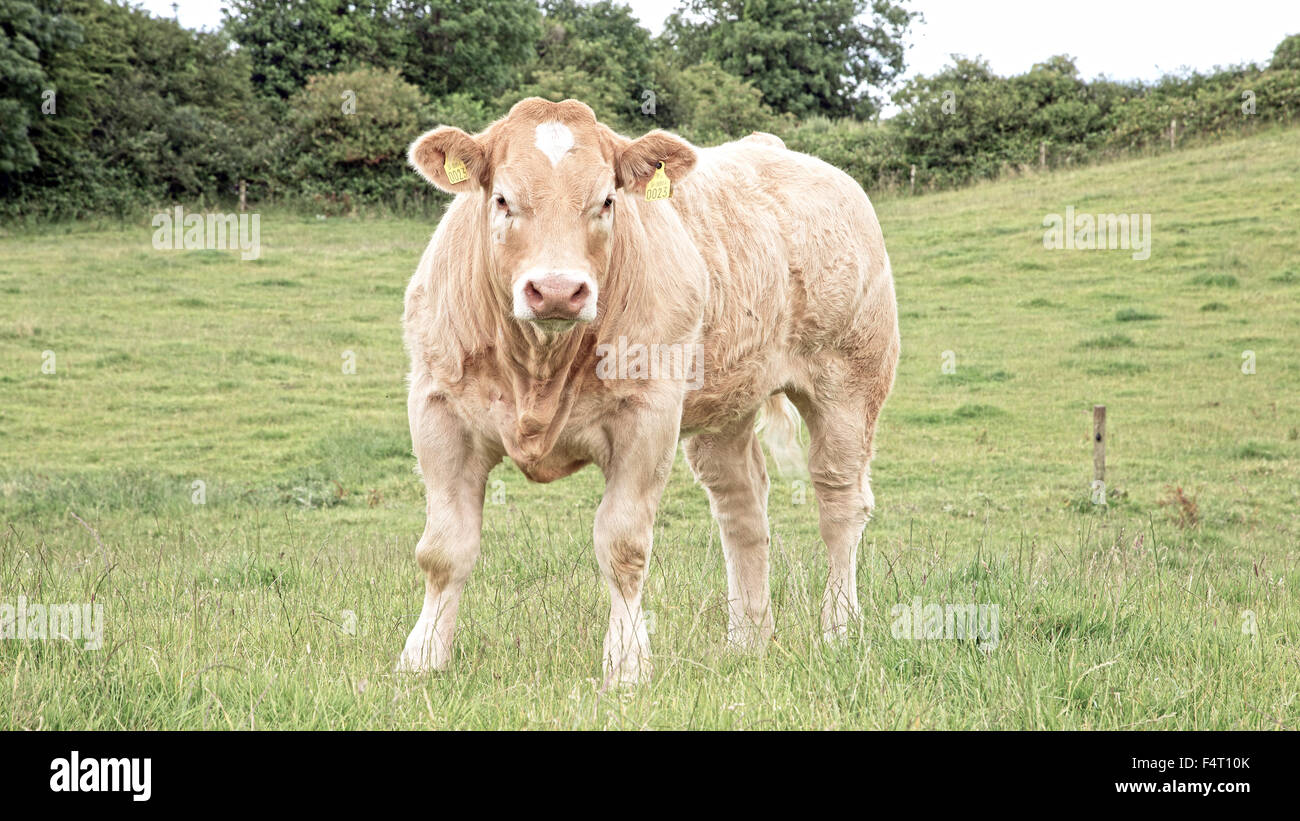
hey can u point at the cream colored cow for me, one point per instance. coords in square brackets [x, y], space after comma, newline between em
[763, 274]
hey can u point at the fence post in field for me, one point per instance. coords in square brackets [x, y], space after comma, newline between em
[1042, 154]
[912, 182]
[1099, 454]
[243, 193]
[1173, 133]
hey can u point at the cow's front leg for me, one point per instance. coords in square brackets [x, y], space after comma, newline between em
[454, 475]
[446, 553]
[634, 481]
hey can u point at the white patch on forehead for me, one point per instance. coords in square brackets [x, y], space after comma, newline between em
[554, 140]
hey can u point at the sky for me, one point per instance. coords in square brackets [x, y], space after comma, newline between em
[1123, 39]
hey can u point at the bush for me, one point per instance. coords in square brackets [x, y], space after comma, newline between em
[461, 110]
[1203, 104]
[603, 94]
[345, 138]
[707, 105]
[869, 152]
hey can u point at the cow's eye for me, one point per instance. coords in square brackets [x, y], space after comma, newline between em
[609, 203]
[502, 204]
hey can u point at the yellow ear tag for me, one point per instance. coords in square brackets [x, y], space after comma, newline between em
[659, 187]
[455, 169]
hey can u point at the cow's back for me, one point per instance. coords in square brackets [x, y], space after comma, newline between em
[796, 260]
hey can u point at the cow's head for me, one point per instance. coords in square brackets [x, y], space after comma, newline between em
[552, 181]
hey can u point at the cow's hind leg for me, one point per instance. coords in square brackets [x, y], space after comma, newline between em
[730, 466]
[840, 466]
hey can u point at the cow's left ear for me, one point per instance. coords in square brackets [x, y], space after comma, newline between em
[638, 160]
[450, 159]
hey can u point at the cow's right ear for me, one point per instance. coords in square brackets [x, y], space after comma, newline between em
[450, 159]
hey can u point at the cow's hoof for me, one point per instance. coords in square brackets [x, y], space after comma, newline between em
[749, 638]
[626, 655]
[838, 618]
[412, 664]
[836, 635]
[632, 672]
[417, 662]
[632, 669]
[423, 652]
[837, 632]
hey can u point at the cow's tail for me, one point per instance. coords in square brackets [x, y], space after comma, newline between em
[780, 428]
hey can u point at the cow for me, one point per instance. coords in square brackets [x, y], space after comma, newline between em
[761, 270]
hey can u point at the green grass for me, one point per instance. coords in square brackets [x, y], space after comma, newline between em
[283, 600]
[1107, 342]
[1134, 315]
[1218, 280]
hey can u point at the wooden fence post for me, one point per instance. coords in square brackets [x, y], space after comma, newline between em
[912, 182]
[1099, 455]
[1042, 154]
[1099, 443]
[243, 194]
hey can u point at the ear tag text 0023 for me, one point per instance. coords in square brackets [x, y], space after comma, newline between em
[659, 187]
[456, 171]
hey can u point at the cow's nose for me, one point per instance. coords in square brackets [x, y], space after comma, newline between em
[557, 296]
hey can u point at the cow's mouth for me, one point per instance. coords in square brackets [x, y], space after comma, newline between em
[556, 325]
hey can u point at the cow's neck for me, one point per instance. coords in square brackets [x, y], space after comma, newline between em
[545, 372]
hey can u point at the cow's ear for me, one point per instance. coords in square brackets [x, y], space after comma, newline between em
[450, 159]
[639, 159]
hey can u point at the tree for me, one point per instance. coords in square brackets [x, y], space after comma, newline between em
[1059, 105]
[1287, 54]
[473, 46]
[291, 40]
[964, 121]
[805, 56]
[709, 106]
[443, 46]
[602, 93]
[30, 34]
[146, 111]
[597, 46]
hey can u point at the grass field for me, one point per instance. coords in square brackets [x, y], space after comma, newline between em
[283, 599]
